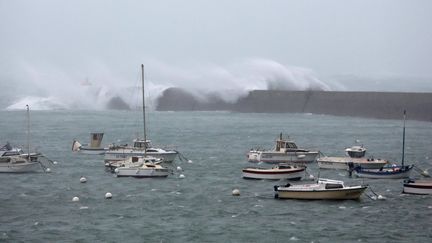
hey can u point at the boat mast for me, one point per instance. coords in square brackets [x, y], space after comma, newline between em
[403, 139]
[143, 107]
[28, 131]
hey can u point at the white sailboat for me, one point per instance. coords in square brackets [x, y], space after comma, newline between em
[21, 163]
[141, 147]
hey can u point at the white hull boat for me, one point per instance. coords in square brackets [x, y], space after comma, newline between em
[420, 187]
[324, 189]
[144, 170]
[18, 164]
[279, 172]
[132, 161]
[356, 151]
[286, 151]
[343, 163]
[117, 154]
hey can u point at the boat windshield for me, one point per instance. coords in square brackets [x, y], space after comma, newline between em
[141, 144]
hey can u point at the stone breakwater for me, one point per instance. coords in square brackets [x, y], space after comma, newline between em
[383, 105]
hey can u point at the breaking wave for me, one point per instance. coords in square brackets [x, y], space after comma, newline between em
[52, 89]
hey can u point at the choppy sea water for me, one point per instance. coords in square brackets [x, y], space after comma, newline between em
[200, 208]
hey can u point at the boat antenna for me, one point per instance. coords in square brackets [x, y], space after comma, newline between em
[143, 104]
[28, 131]
[403, 139]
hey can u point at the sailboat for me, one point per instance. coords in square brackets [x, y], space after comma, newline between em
[388, 171]
[141, 147]
[19, 162]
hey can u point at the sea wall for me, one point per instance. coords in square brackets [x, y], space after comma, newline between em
[385, 105]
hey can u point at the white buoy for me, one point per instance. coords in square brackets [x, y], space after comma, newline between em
[381, 197]
[116, 170]
[236, 192]
[55, 162]
[47, 170]
[190, 161]
[108, 195]
[75, 199]
[179, 168]
[181, 176]
[83, 179]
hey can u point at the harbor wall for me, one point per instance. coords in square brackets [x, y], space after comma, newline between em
[383, 105]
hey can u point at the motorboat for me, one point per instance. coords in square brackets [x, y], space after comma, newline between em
[421, 187]
[132, 161]
[146, 169]
[343, 163]
[93, 148]
[19, 164]
[385, 172]
[323, 189]
[390, 171]
[278, 172]
[285, 151]
[356, 151]
[141, 147]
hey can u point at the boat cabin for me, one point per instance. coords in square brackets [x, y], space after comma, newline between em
[284, 145]
[141, 144]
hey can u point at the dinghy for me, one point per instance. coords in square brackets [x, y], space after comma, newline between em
[278, 172]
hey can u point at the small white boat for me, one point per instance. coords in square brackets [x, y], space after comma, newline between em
[386, 172]
[323, 189]
[132, 161]
[93, 148]
[278, 172]
[343, 163]
[421, 187]
[19, 164]
[356, 151]
[143, 170]
[285, 151]
[139, 148]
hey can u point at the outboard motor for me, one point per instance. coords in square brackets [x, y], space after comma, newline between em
[350, 168]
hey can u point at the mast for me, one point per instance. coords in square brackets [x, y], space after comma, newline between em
[143, 108]
[28, 131]
[403, 139]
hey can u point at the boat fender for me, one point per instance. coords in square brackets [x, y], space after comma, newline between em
[275, 188]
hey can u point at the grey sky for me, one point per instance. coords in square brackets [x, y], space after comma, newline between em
[51, 40]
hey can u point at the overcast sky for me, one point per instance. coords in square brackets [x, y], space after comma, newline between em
[48, 40]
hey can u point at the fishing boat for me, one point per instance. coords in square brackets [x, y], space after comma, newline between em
[356, 151]
[421, 187]
[390, 171]
[140, 146]
[278, 172]
[323, 189]
[93, 148]
[146, 169]
[285, 151]
[13, 160]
